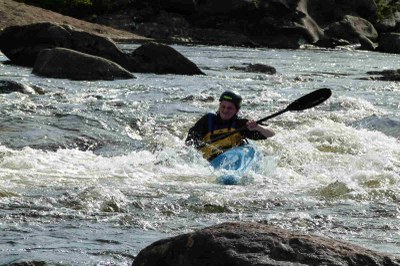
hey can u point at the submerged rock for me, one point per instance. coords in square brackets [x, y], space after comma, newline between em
[27, 263]
[249, 244]
[257, 68]
[389, 125]
[385, 75]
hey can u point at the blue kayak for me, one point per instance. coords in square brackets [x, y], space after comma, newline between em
[234, 163]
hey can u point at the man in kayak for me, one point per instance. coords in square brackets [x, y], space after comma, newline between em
[212, 126]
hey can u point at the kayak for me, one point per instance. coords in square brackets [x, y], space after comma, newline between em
[233, 164]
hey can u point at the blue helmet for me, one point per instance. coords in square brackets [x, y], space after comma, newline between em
[232, 97]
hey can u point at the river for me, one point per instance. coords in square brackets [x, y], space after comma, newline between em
[92, 172]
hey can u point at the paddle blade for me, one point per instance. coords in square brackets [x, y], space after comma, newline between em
[310, 100]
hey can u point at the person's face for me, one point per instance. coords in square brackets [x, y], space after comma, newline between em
[227, 110]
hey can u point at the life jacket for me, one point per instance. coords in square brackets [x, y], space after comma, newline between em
[213, 149]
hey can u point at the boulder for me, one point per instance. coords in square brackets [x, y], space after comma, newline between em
[350, 28]
[180, 6]
[225, 7]
[385, 75]
[9, 86]
[276, 24]
[249, 244]
[220, 37]
[256, 68]
[166, 27]
[161, 59]
[313, 29]
[70, 64]
[391, 24]
[172, 27]
[389, 43]
[285, 24]
[22, 44]
[331, 42]
[326, 12]
[27, 263]
[261, 68]
[366, 44]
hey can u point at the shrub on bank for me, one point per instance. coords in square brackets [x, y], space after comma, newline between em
[387, 9]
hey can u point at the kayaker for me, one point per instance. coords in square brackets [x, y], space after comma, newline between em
[225, 120]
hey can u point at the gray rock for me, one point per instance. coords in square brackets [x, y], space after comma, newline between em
[331, 42]
[221, 37]
[161, 59]
[389, 43]
[22, 45]
[276, 24]
[249, 244]
[385, 75]
[9, 86]
[27, 263]
[391, 24]
[326, 12]
[257, 68]
[366, 44]
[350, 28]
[180, 6]
[283, 24]
[70, 64]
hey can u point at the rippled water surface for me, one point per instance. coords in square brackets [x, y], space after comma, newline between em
[92, 172]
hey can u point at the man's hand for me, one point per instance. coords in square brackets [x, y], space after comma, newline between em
[252, 125]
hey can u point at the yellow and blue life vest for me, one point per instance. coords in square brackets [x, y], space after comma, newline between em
[215, 148]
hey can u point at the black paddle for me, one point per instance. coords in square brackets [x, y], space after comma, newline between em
[305, 102]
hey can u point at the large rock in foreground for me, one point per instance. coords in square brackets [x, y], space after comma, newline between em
[249, 244]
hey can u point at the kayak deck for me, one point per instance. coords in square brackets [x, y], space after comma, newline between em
[234, 163]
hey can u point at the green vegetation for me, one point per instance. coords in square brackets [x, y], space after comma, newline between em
[387, 8]
[75, 8]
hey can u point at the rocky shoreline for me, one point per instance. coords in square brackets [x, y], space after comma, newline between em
[276, 24]
[273, 24]
[17, 14]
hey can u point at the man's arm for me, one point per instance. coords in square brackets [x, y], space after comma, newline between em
[253, 126]
[196, 133]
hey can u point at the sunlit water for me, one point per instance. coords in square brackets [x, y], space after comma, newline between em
[92, 172]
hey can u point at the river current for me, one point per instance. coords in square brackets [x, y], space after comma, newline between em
[92, 172]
